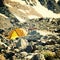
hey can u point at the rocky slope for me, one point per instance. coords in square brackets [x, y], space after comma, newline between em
[41, 19]
[51, 5]
[33, 8]
[3, 22]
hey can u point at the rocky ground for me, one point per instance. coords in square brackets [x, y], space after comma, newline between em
[41, 43]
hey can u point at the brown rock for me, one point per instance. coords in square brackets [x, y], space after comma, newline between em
[2, 57]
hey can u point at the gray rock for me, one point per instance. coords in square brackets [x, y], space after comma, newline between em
[33, 36]
[49, 47]
[23, 54]
[22, 43]
[29, 49]
[33, 32]
[58, 53]
[16, 50]
[51, 42]
[29, 57]
[3, 22]
[38, 57]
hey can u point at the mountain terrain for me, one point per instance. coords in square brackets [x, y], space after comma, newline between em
[40, 19]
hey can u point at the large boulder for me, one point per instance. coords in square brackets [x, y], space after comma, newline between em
[23, 43]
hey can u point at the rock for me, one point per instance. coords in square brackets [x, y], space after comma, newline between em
[1, 3]
[33, 32]
[58, 53]
[3, 45]
[16, 50]
[22, 43]
[52, 37]
[47, 53]
[29, 57]
[55, 59]
[33, 36]
[49, 47]
[51, 42]
[36, 51]
[58, 41]
[59, 2]
[42, 42]
[42, 57]
[35, 57]
[51, 5]
[1, 31]
[39, 47]
[49, 58]
[57, 31]
[23, 54]
[38, 57]
[29, 49]
[2, 57]
[57, 47]
[44, 37]
[3, 23]
[1, 37]
[9, 55]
